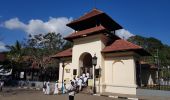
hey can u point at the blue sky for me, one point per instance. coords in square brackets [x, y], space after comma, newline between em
[18, 18]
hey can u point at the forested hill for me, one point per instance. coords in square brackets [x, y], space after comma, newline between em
[155, 47]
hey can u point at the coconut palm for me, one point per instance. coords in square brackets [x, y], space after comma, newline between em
[15, 51]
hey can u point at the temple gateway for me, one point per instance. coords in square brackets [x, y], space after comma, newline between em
[117, 59]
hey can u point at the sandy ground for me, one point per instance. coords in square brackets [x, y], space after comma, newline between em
[20, 94]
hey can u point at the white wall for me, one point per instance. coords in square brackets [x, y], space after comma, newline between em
[120, 75]
[92, 45]
[67, 76]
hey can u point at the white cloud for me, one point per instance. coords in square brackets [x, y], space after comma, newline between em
[2, 47]
[14, 23]
[124, 34]
[37, 26]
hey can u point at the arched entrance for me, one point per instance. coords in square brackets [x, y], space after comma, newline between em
[85, 64]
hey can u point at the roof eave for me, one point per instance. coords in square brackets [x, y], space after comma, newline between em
[139, 51]
[58, 57]
[70, 38]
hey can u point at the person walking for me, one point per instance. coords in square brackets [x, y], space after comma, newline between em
[1, 85]
[71, 91]
[44, 87]
[88, 75]
[56, 91]
[80, 81]
[48, 88]
[64, 87]
[85, 81]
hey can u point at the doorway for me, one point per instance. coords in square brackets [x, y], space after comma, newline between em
[85, 64]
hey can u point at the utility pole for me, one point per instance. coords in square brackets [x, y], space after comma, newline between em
[157, 63]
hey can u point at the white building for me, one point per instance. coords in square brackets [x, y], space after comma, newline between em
[116, 58]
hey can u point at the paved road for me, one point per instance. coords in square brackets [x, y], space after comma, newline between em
[38, 95]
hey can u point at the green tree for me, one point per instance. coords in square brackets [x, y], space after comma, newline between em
[15, 51]
[41, 46]
[152, 45]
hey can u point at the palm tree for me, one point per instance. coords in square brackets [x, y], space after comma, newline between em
[15, 52]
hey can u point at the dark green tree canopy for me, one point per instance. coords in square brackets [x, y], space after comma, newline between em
[153, 46]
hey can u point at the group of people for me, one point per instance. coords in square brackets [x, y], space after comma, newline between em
[47, 88]
[76, 85]
[81, 81]
[70, 90]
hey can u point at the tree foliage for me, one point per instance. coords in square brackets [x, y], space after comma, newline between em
[38, 48]
[15, 52]
[155, 47]
[41, 46]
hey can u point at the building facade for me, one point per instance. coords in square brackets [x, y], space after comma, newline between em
[116, 58]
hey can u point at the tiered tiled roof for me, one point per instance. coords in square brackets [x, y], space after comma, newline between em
[89, 31]
[94, 22]
[93, 18]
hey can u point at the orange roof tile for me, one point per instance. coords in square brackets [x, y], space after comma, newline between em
[92, 18]
[65, 53]
[86, 32]
[90, 14]
[120, 45]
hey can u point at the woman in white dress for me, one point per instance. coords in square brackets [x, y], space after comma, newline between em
[56, 91]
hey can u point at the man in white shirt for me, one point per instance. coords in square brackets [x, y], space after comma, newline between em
[71, 91]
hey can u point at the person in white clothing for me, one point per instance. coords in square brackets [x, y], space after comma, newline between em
[56, 91]
[85, 79]
[1, 85]
[83, 75]
[71, 91]
[48, 88]
[77, 78]
[44, 87]
[76, 83]
[87, 74]
[74, 80]
[80, 84]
